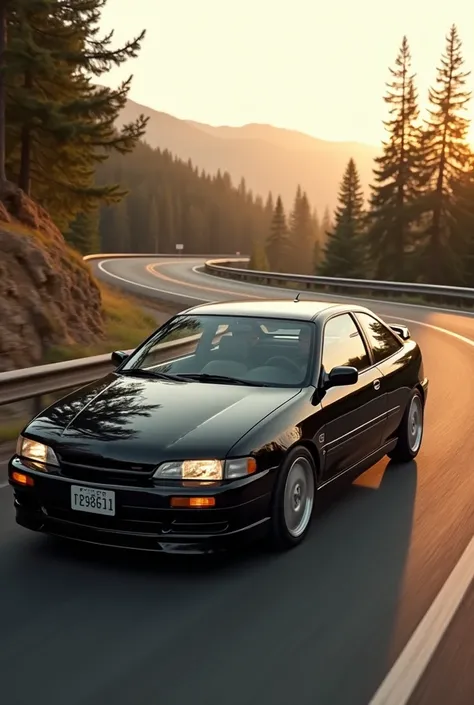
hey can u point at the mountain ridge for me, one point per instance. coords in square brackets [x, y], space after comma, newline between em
[267, 157]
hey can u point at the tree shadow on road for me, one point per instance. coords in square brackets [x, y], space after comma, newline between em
[313, 625]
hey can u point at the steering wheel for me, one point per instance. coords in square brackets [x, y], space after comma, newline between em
[280, 361]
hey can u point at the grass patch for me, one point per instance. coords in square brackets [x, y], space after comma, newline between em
[126, 325]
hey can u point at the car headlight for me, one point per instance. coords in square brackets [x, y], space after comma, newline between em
[38, 452]
[206, 470]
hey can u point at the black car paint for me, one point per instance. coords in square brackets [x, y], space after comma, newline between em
[119, 423]
[149, 421]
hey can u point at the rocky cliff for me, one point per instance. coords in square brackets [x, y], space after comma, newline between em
[48, 296]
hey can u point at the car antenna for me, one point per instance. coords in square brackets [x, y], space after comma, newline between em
[297, 297]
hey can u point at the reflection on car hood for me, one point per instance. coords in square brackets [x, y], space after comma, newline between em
[150, 420]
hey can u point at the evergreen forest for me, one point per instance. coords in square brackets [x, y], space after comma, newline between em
[108, 190]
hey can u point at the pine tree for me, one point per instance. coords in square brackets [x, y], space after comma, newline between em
[317, 256]
[344, 251]
[447, 162]
[302, 235]
[60, 124]
[294, 214]
[316, 224]
[153, 223]
[269, 207]
[83, 233]
[258, 257]
[268, 212]
[325, 227]
[277, 245]
[114, 228]
[395, 194]
[317, 246]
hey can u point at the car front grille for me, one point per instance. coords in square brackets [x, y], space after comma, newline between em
[90, 468]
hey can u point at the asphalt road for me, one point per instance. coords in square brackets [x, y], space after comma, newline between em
[320, 625]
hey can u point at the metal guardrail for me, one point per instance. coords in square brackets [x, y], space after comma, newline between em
[30, 382]
[154, 255]
[432, 292]
[36, 382]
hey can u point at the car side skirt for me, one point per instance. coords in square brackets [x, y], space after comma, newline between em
[364, 464]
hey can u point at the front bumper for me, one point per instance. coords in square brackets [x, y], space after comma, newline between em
[143, 517]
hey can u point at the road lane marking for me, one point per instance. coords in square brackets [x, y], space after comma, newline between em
[405, 674]
[142, 286]
[151, 269]
[3, 484]
[458, 336]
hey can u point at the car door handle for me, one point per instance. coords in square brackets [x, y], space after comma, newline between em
[376, 384]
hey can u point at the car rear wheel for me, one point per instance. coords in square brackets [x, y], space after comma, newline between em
[293, 500]
[411, 431]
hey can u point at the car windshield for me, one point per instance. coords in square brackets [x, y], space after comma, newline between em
[228, 350]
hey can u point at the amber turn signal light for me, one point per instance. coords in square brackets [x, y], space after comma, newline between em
[22, 479]
[193, 502]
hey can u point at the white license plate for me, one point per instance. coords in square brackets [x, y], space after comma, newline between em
[92, 500]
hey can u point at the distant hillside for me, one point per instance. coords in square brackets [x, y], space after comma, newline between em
[269, 158]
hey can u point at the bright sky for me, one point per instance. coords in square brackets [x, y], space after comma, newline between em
[316, 68]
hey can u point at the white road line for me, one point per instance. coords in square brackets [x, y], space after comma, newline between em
[407, 671]
[142, 286]
[3, 484]
[458, 336]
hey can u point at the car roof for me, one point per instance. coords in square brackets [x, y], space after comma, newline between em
[301, 310]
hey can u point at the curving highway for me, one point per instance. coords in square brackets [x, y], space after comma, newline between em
[350, 617]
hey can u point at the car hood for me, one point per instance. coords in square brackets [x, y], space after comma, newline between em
[148, 421]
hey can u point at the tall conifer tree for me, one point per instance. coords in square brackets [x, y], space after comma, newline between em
[60, 123]
[344, 251]
[277, 245]
[396, 191]
[447, 163]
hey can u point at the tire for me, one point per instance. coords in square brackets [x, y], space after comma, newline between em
[293, 500]
[410, 434]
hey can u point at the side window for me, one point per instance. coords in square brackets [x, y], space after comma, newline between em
[343, 344]
[381, 339]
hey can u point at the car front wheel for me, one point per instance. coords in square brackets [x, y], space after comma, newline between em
[411, 431]
[293, 500]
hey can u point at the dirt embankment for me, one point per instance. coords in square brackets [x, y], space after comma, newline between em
[48, 296]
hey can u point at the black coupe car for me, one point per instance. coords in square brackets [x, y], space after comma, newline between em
[222, 425]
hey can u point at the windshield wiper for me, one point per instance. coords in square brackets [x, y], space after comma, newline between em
[203, 377]
[139, 372]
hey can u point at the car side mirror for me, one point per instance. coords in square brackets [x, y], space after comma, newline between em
[341, 376]
[401, 330]
[118, 357]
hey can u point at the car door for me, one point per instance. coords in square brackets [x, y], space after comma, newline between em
[353, 415]
[394, 359]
